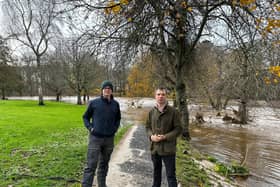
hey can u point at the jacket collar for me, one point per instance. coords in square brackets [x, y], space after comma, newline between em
[164, 108]
[107, 100]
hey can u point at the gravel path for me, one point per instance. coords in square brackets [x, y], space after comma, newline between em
[131, 165]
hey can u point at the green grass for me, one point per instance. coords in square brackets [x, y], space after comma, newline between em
[188, 172]
[42, 145]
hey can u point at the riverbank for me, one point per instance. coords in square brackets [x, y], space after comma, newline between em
[131, 165]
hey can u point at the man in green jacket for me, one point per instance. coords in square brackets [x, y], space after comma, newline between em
[163, 126]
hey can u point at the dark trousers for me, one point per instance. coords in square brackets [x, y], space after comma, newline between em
[170, 167]
[99, 153]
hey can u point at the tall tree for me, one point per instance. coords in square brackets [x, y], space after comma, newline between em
[141, 80]
[10, 78]
[32, 23]
[173, 28]
[81, 69]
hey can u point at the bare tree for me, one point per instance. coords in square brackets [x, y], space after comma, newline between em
[54, 75]
[81, 70]
[10, 78]
[32, 23]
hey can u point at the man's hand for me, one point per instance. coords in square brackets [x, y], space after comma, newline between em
[158, 137]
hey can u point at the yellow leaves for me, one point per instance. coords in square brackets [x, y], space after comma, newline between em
[129, 19]
[115, 7]
[268, 26]
[252, 8]
[258, 20]
[141, 80]
[108, 9]
[275, 23]
[189, 9]
[184, 4]
[275, 71]
[277, 7]
[247, 2]
[250, 4]
[124, 2]
[257, 73]
[267, 80]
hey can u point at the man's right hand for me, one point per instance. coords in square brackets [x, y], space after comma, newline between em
[157, 138]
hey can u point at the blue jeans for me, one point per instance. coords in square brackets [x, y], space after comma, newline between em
[170, 167]
[99, 153]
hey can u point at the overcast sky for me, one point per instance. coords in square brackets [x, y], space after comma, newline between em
[1, 18]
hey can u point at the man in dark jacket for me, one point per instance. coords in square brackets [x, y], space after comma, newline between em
[102, 119]
[163, 126]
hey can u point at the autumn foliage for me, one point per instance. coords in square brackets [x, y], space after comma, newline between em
[274, 75]
[141, 81]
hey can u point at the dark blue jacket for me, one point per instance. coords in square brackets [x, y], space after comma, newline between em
[102, 117]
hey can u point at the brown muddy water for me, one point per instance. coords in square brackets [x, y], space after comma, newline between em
[257, 144]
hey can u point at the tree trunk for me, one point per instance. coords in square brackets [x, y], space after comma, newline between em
[84, 98]
[243, 112]
[226, 102]
[57, 97]
[210, 99]
[40, 83]
[181, 97]
[219, 102]
[181, 101]
[79, 98]
[3, 94]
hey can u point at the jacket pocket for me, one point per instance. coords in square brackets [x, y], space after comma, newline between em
[169, 147]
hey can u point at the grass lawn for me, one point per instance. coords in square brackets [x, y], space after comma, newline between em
[42, 145]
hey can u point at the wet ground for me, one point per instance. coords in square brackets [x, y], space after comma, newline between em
[131, 164]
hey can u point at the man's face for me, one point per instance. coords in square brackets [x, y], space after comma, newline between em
[160, 96]
[106, 91]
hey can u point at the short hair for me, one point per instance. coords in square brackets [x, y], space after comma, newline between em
[162, 89]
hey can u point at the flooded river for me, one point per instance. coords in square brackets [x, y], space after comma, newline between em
[256, 144]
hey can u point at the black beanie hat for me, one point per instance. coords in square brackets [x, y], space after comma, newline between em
[106, 83]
